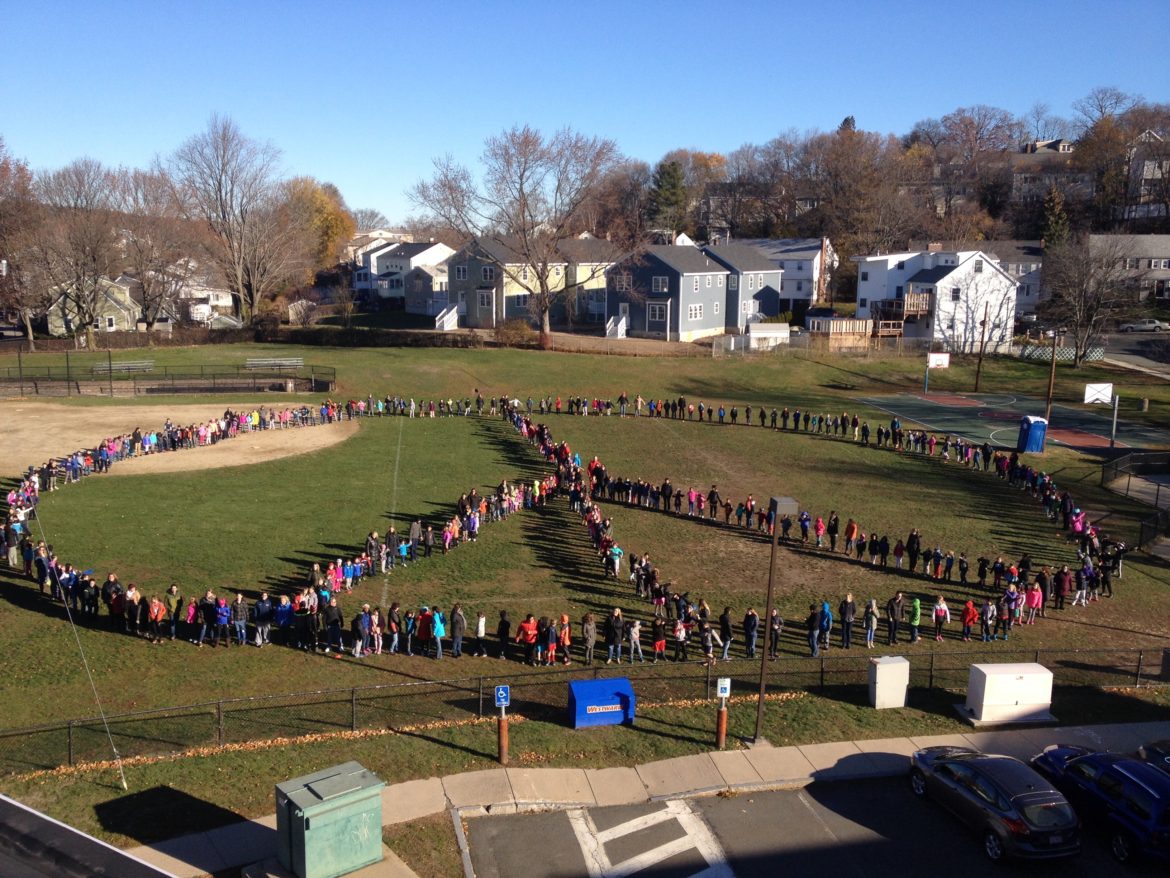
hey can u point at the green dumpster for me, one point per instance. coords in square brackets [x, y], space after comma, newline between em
[329, 823]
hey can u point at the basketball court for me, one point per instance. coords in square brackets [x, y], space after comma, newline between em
[995, 417]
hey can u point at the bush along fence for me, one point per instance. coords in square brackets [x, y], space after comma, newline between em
[536, 695]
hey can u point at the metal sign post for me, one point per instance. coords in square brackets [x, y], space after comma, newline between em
[723, 690]
[1113, 430]
[503, 699]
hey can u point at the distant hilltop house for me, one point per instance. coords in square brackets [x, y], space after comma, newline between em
[382, 275]
[371, 239]
[939, 296]
[118, 307]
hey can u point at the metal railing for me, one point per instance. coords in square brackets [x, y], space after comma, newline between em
[1127, 476]
[537, 694]
[79, 378]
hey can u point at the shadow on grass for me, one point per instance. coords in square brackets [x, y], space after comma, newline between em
[161, 812]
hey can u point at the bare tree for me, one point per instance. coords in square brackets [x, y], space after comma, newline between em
[78, 245]
[1090, 283]
[229, 181]
[1040, 124]
[20, 216]
[1104, 102]
[159, 244]
[369, 218]
[344, 304]
[529, 196]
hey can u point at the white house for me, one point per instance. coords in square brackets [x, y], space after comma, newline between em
[390, 267]
[368, 268]
[940, 295]
[1023, 260]
[802, 262]
[370, 239]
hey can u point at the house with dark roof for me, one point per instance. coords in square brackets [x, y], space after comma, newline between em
[426, 290]
[394, 263]
[676, 293]
[492, 280]
[1023, 260]
[807, 265]
[753, 284]
[587, 259]
[940, 296]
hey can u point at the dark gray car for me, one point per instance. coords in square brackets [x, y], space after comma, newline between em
[1016, 811]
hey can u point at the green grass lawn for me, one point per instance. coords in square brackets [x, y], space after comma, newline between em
[260, 526]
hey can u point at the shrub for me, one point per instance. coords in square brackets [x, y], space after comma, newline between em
[516, 334]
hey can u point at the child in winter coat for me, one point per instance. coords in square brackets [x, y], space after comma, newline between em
[970, 617]
[942, 616]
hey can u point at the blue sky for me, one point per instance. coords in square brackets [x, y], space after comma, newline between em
[365, 94]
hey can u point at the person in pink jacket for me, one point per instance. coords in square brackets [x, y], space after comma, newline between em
[1033, 598]
[819, 530]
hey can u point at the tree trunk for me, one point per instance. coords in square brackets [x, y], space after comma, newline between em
[545, 330]
[28, 330]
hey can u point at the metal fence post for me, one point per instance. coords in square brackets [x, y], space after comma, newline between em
[353, 709]
[1036, 659]
[822, 673]
[1141, 659]
[70, 742]
[479, 710]
[219, 723]
[708, 683]
[930, 685]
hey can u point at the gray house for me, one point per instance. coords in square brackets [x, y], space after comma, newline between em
[677, 293]
[753, 284]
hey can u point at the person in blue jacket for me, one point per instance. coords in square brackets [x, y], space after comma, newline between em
[825, 624]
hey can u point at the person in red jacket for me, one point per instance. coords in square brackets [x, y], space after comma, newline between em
[970, 617]
[526, 635]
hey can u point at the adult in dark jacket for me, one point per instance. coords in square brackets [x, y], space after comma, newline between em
[751, 630]
[615, 631]
[725, 632]
[847, 613]
[262, 614]
[895, 608]
[812, 625]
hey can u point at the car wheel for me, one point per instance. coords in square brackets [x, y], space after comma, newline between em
[918, 783]
[1128, 329]
[993, 846]
[1121, 846]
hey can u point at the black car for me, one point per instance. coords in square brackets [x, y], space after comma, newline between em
[1157, 754]
[1016, 811]
[1125, 798]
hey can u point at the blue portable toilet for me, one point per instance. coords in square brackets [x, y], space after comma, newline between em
[1033, 431]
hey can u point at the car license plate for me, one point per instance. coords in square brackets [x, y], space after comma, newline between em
[1055, 839]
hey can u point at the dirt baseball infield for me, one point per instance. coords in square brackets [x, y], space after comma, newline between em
[32, 432]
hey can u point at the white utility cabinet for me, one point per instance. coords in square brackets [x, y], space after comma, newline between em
[889, 678]
[1017, 692]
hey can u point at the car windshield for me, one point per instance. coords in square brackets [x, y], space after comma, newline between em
[1050, 815]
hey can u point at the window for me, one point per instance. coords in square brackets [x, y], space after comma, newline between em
[111, 324]
[799, 286]
[865, 275]
[951, 324]
[524, 273]
[696, 283]
[694, 312]
[488, 273]
[460, 272]
[760, 281]
[714, 307]
[978, 266]
[1132, 263]
[1027, 290]
[485, 299]
[659, 284]
[520, 301]
[623, 283]
[556, 271]
[901, 266]
[750, 306]
[708, 281]
[751, 279]
[898, 292]
[719, 281]
[862, 303]
[956, 294]
[656, 313]
[733, 282]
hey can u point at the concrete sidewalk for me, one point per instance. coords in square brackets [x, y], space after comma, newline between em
[513, 790]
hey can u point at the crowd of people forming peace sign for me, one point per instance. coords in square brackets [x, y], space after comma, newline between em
[1005, 593]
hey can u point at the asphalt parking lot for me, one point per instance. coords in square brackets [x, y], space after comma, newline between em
[848, 829]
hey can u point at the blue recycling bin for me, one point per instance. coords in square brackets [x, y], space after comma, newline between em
[606, 702]
[1032, 434]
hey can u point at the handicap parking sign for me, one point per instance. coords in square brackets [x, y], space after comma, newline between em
[503, 696]
[723, 687]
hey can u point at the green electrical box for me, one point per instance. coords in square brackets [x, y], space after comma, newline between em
[329, 823]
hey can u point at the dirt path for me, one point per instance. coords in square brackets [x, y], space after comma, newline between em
[32, 432]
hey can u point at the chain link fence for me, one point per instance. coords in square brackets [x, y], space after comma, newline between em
[536, 694]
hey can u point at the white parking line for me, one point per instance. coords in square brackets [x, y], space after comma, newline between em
[698, 837]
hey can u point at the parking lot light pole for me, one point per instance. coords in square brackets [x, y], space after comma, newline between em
[1051, 379]
[767, 623]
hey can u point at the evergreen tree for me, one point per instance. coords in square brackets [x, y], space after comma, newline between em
[668, 196]
[1055, 230]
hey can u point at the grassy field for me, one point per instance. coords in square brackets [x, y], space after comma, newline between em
[248, 528]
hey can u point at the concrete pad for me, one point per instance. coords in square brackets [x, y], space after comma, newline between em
[734, 768]
[781, 765]
[390, 867]
[553, 786]
[243, 842]
[403, 802]
[890, 756]
[188, 856]
[683, 774]
[488, 789]
[616, 786]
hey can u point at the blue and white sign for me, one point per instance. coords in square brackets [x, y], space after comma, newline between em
[723, 687]
[503, 696]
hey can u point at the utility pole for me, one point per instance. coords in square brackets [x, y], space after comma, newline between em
[1051, 378]
[982, 343]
